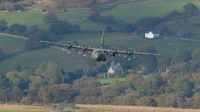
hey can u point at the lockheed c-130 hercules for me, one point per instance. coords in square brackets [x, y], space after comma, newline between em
[98, 54]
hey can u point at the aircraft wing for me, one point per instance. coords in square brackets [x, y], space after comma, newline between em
[141, 53]
[68, 45]
[113, 52]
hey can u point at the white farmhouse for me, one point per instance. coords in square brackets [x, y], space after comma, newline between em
[113, 68]
[152, 34]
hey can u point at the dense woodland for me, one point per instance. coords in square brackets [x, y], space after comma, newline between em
[48, 83]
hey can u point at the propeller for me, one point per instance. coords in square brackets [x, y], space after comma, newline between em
[84, 49]
[68, 45]
[114, 52]
[129, 54]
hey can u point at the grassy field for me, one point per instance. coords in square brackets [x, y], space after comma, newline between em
[23, 18]
[94, 108]
[35, 57]
[166, 47]
[108, 80]
[34, 16]
[73, 14]
[121, 108]
[187, 25]
[11, 41]
[131, 12]
[23, 108]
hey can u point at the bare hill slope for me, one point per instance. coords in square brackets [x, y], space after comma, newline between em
[67, 4]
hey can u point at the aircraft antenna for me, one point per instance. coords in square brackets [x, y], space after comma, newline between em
[102, 41]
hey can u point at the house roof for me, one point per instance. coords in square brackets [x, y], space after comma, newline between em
[155, 32]
[114, 67]
[183, 32]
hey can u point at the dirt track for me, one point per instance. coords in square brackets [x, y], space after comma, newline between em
[120, 108]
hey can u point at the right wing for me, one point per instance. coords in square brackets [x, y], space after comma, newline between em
[68, 45]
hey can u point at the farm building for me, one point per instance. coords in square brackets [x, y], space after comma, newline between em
[113, 68]
[183, 34]
[152, 34]
[168, 69]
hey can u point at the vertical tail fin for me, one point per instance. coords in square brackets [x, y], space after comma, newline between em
[102, 41]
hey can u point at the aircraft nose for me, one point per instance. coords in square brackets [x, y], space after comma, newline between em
[96, 55]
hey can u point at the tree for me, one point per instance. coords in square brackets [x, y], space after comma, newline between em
[32, 30]
[53, 74]
[17, 80]
[3, 25]
[18, 29]
[170, 15]
[115, 83]
[3, 95]
[14, 1]
[95, 16]
[109, 29]
[34, 40]
[145, 24]
[85, 81]
[133, 81]
[44, 94]
[1, 54]
[196, 54]
[131, 98]
[181, 56]
[36, 82]
[167, 100]
[73, 75]
[145, 101]
[77, 27]
[196, 97]
[90, 91]
[190, 8]
[127, 28]
[16, 95]
[4, 82]
[27, 100]
[150, 86]
[147, 63]
[50, 18]
[108, 19]
[182, 87]
[55, 93]
[104, 99]
[58, 28]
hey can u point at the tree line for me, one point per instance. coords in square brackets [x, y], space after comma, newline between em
[146, 23]
[48, 83]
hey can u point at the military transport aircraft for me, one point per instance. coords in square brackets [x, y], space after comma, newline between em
[98, 54]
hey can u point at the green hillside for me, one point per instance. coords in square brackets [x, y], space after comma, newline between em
[134, 11]
[11, 41]
[129, 12]
[34, 58]
[71, 61]
[24, 18]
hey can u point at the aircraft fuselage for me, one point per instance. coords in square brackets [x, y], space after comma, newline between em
[98, 55]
